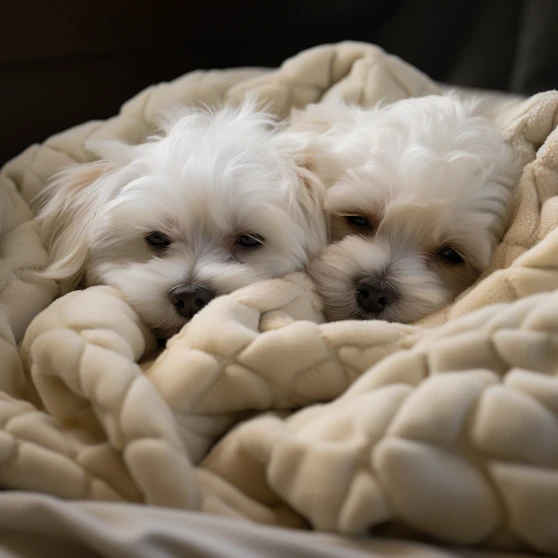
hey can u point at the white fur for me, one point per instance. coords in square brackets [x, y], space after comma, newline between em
[428, 173]
[209, 178]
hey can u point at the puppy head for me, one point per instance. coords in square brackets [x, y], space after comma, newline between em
[218, 201]
[416, 221]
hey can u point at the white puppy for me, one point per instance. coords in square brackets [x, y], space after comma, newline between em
[418, 194]
[217, 201]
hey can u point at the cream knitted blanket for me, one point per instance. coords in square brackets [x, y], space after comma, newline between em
[259, 410]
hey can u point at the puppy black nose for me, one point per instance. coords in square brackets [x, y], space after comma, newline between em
[189, 300]
[374, 296]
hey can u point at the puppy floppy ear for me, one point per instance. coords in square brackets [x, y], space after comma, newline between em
[70, 203]
[306, 190]
[310, 198]
[313, 190]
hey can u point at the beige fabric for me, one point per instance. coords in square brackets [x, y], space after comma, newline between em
[449, 429]
[37, 526]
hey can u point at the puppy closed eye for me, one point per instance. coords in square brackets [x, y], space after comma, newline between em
[449, 255]
[250, 240]
[157, 240]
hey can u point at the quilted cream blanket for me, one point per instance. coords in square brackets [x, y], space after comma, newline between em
[447, 429]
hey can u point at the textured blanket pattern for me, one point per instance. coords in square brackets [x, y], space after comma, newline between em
[259, 410]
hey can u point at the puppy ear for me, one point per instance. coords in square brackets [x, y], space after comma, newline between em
[73, 198]
[310, 198]
[306, 190]
[306, 171]
[70, 203]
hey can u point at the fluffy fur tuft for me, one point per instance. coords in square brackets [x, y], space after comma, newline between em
[209, 180]
[418, 196]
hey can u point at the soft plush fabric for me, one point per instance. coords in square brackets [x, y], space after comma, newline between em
[39, 526]
[259, 410]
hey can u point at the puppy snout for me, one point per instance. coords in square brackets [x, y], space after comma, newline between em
[189, 300]
[374, 296]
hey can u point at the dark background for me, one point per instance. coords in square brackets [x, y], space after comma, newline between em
[63, 62]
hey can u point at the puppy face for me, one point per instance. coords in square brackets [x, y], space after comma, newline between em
[217, 202]
[416, 219]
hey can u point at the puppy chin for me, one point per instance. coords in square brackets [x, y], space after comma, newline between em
[341, 265]
[146, 287]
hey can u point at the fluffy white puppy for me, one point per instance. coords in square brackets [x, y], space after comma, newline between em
[217, 201]
[418, 195]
